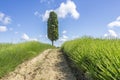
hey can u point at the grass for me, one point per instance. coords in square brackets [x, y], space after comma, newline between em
[11, 55]
[98, 59]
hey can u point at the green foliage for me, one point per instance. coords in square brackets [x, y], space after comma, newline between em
[11, 55]
[98, 58]
[52, 24]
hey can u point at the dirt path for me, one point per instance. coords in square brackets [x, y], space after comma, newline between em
[50, 65]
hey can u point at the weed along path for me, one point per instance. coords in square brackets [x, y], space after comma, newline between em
[50, 65]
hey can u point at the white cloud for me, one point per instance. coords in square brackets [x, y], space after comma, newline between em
[36, 13]
[115, 23]
[64, 32]
[118, 18]
[4, 19]
[63, 38]
[7, 20]
[48, 1]
[105, 35]
[67, 8]
[27, 38]
[3, 28]
[111, 34]
[63, 10]
[1, 16]
[46, 36]
[46, 15]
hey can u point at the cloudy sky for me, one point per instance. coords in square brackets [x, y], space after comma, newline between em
[26, 20]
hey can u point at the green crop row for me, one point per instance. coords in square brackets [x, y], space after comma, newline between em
[11, 55]
[99, 59]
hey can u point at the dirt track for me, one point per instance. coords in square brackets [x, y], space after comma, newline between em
[50, 65]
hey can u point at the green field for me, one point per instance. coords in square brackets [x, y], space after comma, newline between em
[11, 55]
[98, 59]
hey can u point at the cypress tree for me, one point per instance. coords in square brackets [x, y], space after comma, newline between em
[52, 27]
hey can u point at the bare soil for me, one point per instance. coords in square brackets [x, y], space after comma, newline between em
[49, 65]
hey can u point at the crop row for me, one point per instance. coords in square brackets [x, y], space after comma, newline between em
[98, 59]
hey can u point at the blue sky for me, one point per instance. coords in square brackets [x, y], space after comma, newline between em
[25, 20]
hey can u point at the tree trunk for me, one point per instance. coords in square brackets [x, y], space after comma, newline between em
[52, 43]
